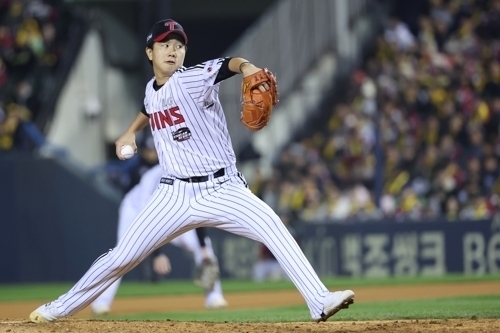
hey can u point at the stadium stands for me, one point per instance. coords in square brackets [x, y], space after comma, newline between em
[32, 38]
[418, 135]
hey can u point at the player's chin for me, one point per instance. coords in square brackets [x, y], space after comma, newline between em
[171, 65]
[168, 68]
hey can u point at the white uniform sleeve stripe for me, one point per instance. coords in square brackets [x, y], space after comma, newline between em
[195, 91]
[195, 83]
[191, 75]
[194, 67]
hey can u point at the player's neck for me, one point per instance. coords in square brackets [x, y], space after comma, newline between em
[162, 77]
[161, 80]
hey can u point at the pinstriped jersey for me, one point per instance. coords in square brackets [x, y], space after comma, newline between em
[187, 122]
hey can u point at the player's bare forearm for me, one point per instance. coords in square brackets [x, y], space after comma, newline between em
[128, 138]
[243, 66]
[138, 124]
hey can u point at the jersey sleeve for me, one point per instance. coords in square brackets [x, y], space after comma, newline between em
[199, 79]
[224, 71]
[145, 103]
[143, 111]
[217, 70]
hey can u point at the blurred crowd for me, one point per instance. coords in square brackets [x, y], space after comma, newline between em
[32, 34]
[417, 136]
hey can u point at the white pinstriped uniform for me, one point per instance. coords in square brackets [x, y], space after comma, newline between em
[178, 206]
[210, 149]
[130, 207]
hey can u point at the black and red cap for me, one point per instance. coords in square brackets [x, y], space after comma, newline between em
[162, 29]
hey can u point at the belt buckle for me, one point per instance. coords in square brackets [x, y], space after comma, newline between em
[190, 179]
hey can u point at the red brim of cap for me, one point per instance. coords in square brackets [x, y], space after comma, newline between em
[164, 35]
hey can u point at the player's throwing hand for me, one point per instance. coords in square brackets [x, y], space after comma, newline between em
[126, 139]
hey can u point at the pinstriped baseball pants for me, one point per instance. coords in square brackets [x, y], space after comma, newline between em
[225, 203]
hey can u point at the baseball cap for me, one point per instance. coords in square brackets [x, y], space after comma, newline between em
[162, 29]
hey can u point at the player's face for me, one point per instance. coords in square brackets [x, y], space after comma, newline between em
[167, 56]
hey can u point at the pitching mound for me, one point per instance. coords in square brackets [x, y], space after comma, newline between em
[84, 323]
[396, 326]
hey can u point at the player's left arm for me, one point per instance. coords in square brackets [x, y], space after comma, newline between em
[232, 66]
[241, 66]
[245, 67]
[201, 79]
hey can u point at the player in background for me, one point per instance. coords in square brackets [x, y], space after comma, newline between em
[267, 266]
[201, 185]
[193, 241]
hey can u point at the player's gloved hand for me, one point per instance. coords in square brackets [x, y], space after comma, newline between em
[250, 70]
[126, 139]
[161, 265]
[207, 273]
[259, 93]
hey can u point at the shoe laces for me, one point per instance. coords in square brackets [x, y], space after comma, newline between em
[51, 307]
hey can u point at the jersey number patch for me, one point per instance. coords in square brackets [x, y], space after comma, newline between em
[170, 117]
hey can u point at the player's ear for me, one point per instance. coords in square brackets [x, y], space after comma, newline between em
[149, 53]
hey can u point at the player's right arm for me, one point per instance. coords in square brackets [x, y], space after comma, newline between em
[128, 138]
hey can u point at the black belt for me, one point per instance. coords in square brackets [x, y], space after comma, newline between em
[197, 179]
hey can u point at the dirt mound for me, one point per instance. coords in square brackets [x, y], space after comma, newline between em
[84, 324]
[396, 326]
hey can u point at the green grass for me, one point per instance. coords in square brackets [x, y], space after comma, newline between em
[24, 292]
[444, 308]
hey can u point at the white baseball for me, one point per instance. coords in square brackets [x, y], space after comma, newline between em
[127, 151]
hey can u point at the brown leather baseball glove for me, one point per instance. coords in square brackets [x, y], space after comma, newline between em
[256, 105]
